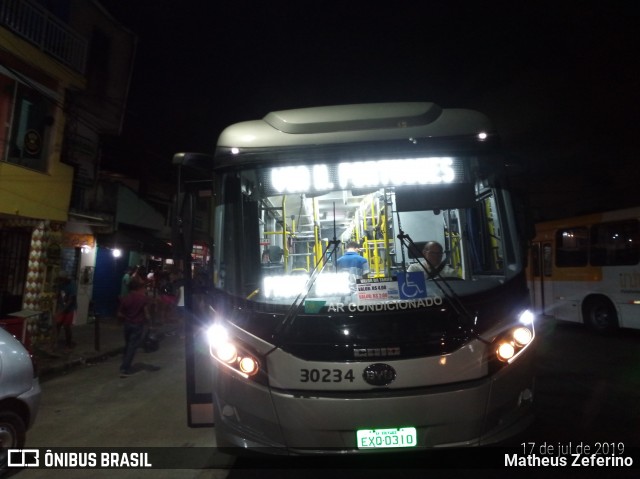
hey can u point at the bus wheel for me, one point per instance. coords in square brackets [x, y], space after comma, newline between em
[600, 315]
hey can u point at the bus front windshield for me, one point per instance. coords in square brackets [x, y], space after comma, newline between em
[401, 227]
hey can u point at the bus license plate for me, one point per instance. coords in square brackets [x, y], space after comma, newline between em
[382, 438]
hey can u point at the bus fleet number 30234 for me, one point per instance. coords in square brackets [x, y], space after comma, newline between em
[326, 375]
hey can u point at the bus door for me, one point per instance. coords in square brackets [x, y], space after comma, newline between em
[541, 279]
[191, 217]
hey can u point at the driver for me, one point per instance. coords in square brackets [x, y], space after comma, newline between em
[433, 254]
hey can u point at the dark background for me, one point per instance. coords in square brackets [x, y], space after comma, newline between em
[559, 79]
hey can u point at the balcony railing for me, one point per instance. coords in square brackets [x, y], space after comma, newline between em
[44, 30]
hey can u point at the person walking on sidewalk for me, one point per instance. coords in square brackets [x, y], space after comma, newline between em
[67, 306]
[125, 281]
[134, 313]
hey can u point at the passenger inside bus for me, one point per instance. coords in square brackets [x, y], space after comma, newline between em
[352, 262]
[432, 262]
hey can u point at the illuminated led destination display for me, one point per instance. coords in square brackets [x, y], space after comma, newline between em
[364, 174]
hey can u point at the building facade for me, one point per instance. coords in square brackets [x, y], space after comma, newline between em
[65, 70]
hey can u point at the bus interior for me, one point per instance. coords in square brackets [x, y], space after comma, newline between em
[294, 234]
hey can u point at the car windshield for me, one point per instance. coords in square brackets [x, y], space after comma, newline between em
[305, 231]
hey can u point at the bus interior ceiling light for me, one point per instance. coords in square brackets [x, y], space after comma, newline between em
[333, 284]
[283, 286]
[290, 286]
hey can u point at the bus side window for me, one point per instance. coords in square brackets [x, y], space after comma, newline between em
[615, 244]
[572, 247]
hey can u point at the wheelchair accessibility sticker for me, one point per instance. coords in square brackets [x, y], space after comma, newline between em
[412, 285]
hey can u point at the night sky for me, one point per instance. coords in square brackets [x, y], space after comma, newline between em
[559, 79]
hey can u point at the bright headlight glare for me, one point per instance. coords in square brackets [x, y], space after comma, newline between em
[527, 317]
[248, 366]
[217, 335]
[229, 352]
[505, 351]
[226, 352]
[511, 343]
[522, 336]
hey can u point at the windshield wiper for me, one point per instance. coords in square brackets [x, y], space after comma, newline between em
[294, 309]
[436, 274]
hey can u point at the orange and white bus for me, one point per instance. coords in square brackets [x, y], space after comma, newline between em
[587, 269]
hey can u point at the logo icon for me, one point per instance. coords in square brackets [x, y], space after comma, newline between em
[375, 352]
[379, 374]
[23, 458]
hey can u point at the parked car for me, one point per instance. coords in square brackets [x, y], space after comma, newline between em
[19, 394]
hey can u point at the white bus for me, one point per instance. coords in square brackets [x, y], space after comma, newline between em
[586, 269]
[295, 355]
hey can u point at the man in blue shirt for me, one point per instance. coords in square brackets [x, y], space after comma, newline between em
[352, 262]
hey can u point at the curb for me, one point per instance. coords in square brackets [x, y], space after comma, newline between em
[50, 371]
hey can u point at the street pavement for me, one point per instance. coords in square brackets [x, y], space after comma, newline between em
[94, 342]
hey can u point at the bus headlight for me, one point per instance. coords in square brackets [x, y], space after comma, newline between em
[248, 365]
[226, 352]
[522, 336]
[510, 344]
[231, 353]
[505, 351]
[526, 317]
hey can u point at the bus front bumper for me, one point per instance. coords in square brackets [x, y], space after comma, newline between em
[472, 413]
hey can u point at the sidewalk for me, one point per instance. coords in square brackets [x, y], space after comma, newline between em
[95, 342]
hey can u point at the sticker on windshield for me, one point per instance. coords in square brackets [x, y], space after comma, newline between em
[381, 294]
[412, 285]
[313, 306]
[376, 290]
